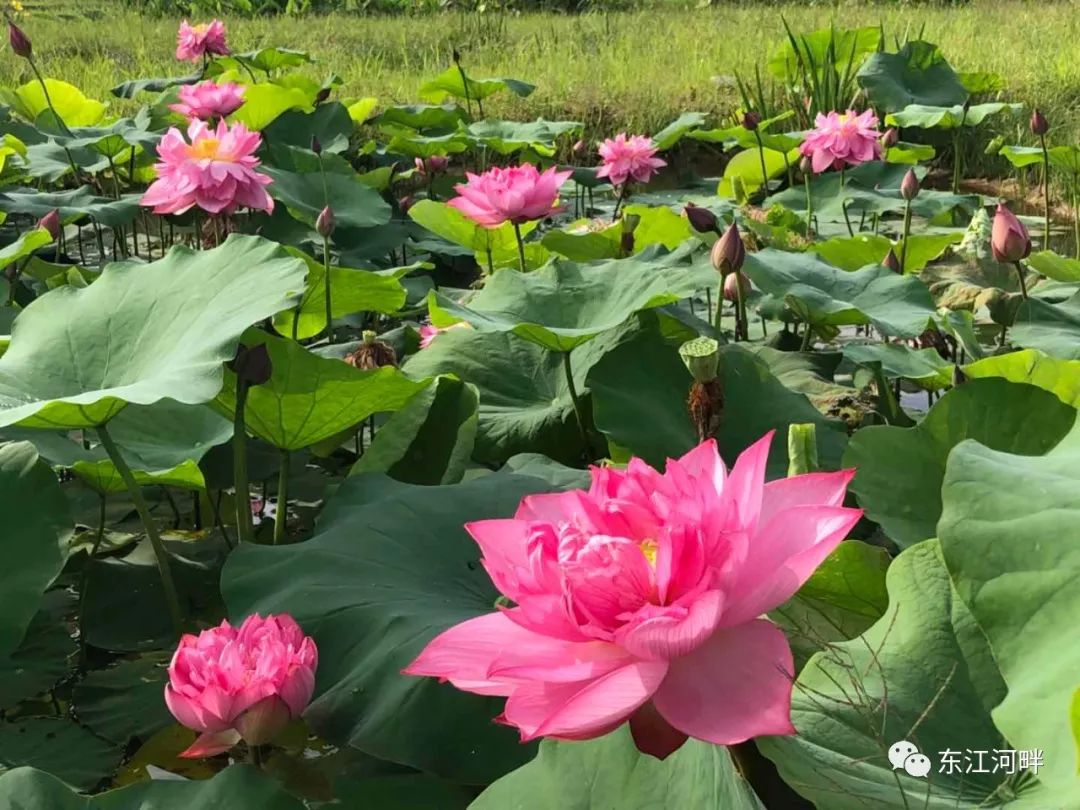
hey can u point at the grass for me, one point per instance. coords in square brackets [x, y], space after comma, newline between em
[630, 70]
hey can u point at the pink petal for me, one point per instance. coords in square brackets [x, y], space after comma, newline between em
[746, 483]
[813, 489]
[558, 661]
[734, 687]
[502, 543]
[211, 743]
[665, 637]
[584, 709]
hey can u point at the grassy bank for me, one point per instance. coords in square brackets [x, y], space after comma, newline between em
[631, 70]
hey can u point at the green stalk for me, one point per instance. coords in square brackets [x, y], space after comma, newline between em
[521, 247]
[619, 199]
[843, 207]
[168, 585]
[245, 529]
[1023, 284]
[761, 157]
[956, 162]
[805, 346]
[1076, 219]
[1046, 192]
[578, 414]
[741, 324]
[282, 499]
[56, 115]
[718, 317]
[809, 207]
[329, 311]
[907, 231]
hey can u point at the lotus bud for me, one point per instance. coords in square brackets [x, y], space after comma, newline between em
[421, 169]
[802, 449]
[1009, 240]
[51, 223]
[316, 145]
[1039, 124]
[806, 166]
[20, 42]
[701, 219]
[729, 252]
[437, 164]
[732, 283]
[251, 365]
[909, 186]
[626, 240]
[405, 203]
[322, 95]
[958, 376]
[372, 353]
[751, 119]
[702, 358]
[579, 147]
[326, 222]
[455, 55]
[890, 138]
[891, 262]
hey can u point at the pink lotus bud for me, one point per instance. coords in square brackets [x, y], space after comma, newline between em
[729, 252]
[326, 222]
[701, 220]
[909, 186]
[890, 138]
[1039, 124]
[732, 283]
[751, 119]
[20, 42]
[421, 169]
[51, 223]
[891, 262]
[251, 365]
[233, 683]
[579, 147]
[437, 164]
[405, 203]
[316, 145]
[1009, 239]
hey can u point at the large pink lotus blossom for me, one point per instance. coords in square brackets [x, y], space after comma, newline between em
[629, 158]
[207, 100]
[232, 683]
[840, 140]
[214, 169]
[642, 599]
[515, 194]
[193, 42]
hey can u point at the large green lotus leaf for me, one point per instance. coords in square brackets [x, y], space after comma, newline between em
[451, 82]
[59, 746]
[390, 567]
[37, 531]
[75, 109]
[41, 661]
[923, 366]
[1021, 156]
[454, 226]
[922, 674]
[564, 304]
[26, 244]
[71, 205]
[674, 132]
[125, 700]
[239, 787]
[1050, 328]
[305, 194]
[525, 404]
[871, 188]
[842, 598]
[916, 74]
[420, 117]
[825, 295]
[266, 101]
[842, 50]
[610, 772]
[658, 225]
[412, 145]
[1011, 547]
[430, 440]
[329, 122]
[1055, 267]
[310, 398]
[582, 241]
[811, 374]
[853, 252]
[141, 333]
[1059, 377]
[949, 117]
[508, 137]
[746, 166]
[899, 470]
[351, 291]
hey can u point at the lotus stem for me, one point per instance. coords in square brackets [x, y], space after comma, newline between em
[718, 316]
[281, 516]
[56, 115]
[847, 221]
[329, 310]
[619, 200]
[578, 414]
[84, 579]
[1046, 192]
[809, 208]
[1020, 276]
[168, 584]
[807, 335]
[245, 529]
[761, 157]
[520, 246]
[907, 232]
[956, 162]
[741, 325]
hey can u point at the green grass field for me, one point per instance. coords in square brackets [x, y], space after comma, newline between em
[629, 70]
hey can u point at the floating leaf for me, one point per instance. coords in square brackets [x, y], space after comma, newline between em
[451, 83]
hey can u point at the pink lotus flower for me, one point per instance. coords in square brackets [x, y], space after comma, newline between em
[629, 158]
[641, 599]
[1009, 239]
[428, 333]
[842, 139]
[193, 42]
[516, 194]
[245, 683]
[215, 171]
[207, 100]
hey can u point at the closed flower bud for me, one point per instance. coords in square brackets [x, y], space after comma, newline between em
[438, 164]
[1039, 124]
[626, 240]
[751, 119]
[316, 145]
[1009, 240]
[322, 95]
[701, 219]
[729, 252]
[20, 42]
[806, 166]
[325, 223]
[579, 147]
[251, 365]
[732, 283]
[891, 262]
[890, 138]
[51, 223]
[909, 186]
[702, 358]
[405, 203]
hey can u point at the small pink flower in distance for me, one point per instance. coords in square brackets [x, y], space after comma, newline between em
[641, 600]
[515, 194]
[214, 169]
[207, 100]
[629, 158]
[428, 333]
[241, 683]
[193, 42]
[842, 139]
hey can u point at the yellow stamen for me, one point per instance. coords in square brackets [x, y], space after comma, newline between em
[204, 148]
[649, 548]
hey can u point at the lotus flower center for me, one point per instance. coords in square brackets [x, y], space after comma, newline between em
[201, 28]
[205, 149]
[649, 548]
